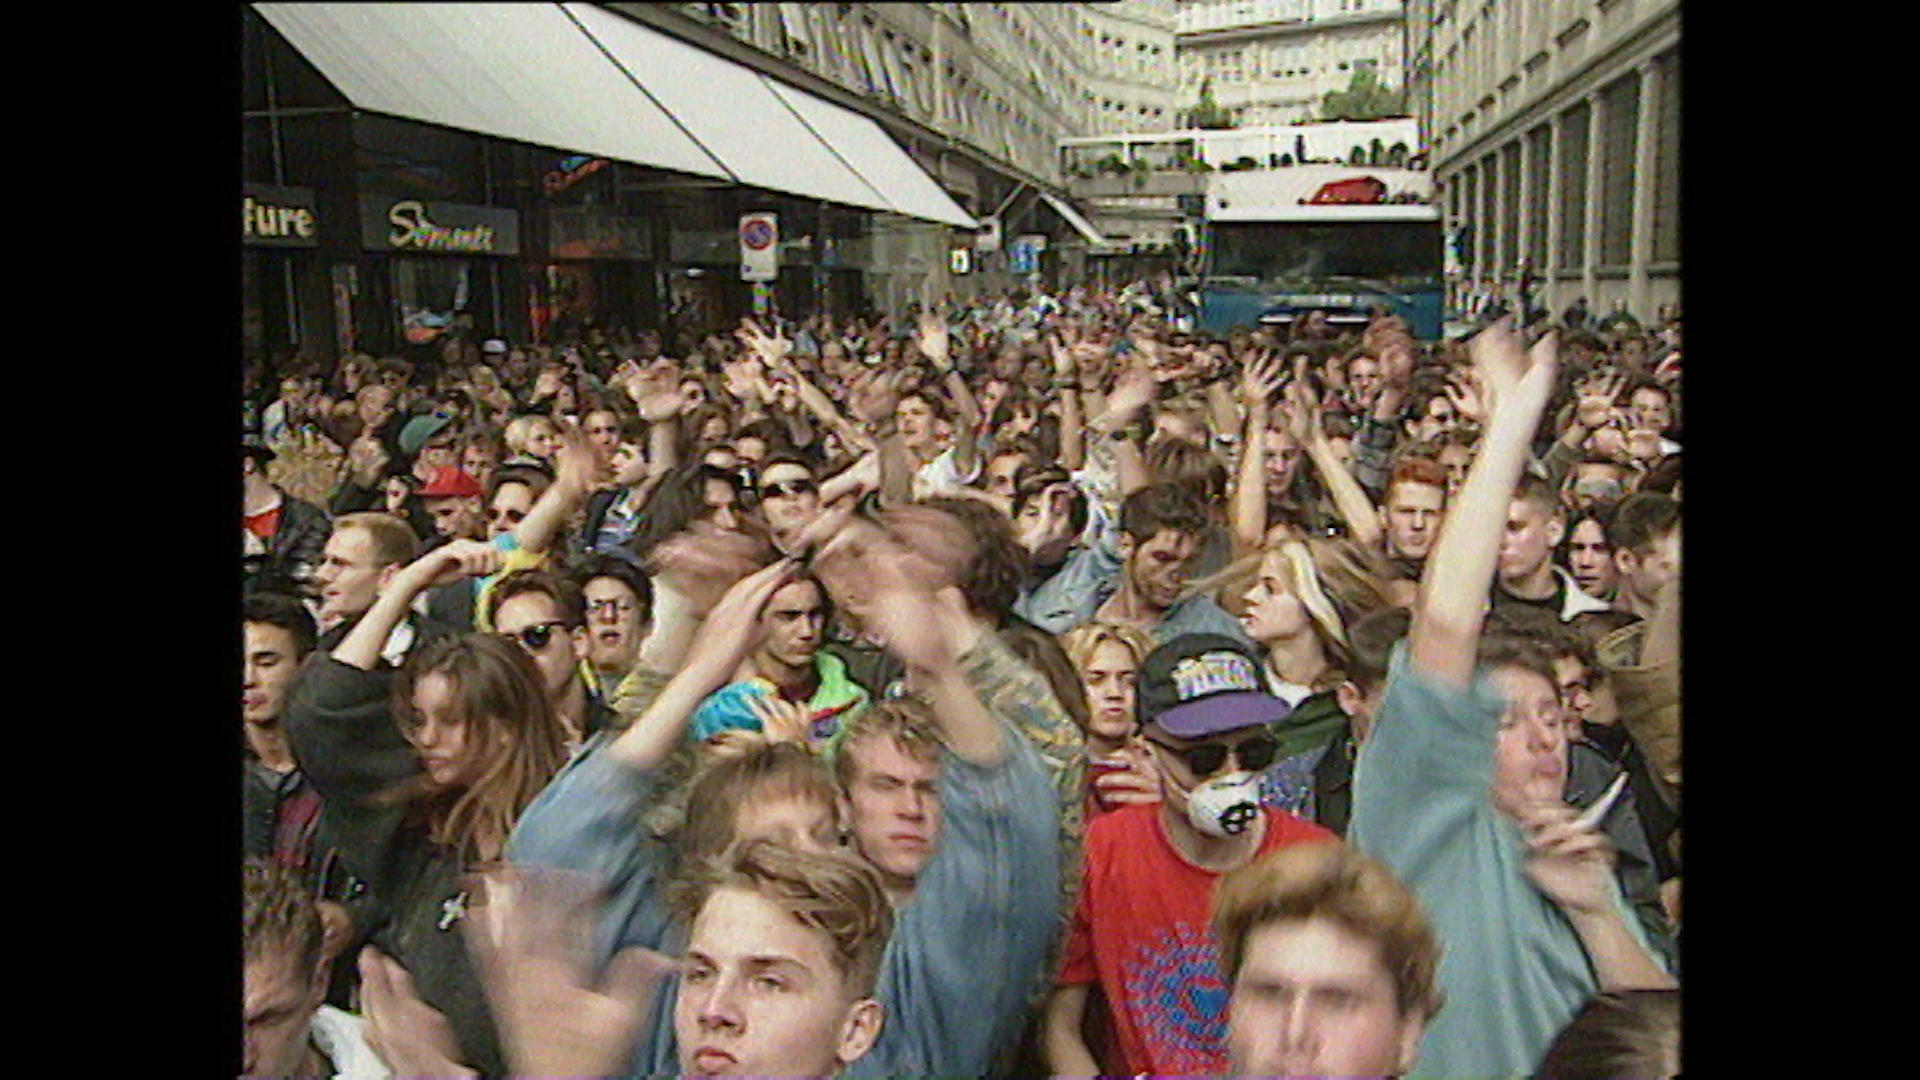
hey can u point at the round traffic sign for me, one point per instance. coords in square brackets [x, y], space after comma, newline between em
[757, 233]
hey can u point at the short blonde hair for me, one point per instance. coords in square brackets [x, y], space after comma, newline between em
[1333, 881]
[833, 894]
[905, 720]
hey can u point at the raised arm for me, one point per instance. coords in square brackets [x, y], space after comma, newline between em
[445, 564]
[1349, 498]
[1247, 510]
[935, 345]
[1073, 436]
[1453, 592]
[726, 636]
[581, 471]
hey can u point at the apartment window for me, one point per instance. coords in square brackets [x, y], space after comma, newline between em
[1619, 145]
[1510, 198]
[1539, 147]
[1572, 172]
[1666, 163]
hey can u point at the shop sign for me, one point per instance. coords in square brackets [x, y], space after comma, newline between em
[278, 216]
[759, 246]
[409, 225]
[960, 260]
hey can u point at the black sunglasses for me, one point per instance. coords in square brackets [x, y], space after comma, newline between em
[1204, 760]
[788, 487]
[535, 637]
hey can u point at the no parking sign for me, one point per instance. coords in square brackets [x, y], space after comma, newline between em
[759, 246]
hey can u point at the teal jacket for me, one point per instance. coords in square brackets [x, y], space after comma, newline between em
[730, 707]
[1513, 969]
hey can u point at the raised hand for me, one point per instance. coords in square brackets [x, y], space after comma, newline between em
[781, 720]
[1597, 397]
[1303, 411]
[411, 1036]
[656, 391]
[933, 340]
[1463, 389]
[1512, 376]
[531, 941]
[456, 560]
[702, 562]
[1570, 862]
[733, 627]
[578, 463]
[1261, 377]
[772, 349]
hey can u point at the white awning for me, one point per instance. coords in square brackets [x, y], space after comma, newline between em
[1080, 224]
[514, 71]
[871, 152]
[731, 111]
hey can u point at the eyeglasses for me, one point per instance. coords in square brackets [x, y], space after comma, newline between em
[788, 487]
[535, 637]
[1205, 759]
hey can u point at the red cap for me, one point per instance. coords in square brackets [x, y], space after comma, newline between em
[451, 482]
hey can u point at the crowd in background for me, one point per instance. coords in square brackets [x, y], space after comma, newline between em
[1023, 685]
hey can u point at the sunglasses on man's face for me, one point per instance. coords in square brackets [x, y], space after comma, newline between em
[535, 637]
[788, 487]
[1205, 759]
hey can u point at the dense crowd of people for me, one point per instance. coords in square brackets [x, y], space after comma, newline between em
[1023, 686]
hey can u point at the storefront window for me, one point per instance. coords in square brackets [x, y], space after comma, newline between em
[427, 293]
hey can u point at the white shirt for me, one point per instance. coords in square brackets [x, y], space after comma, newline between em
[342, 1036]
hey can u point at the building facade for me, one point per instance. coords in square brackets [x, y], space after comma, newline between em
[1555, 129]
[1275, 61]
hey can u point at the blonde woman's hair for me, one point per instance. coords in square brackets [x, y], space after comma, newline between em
[503, 702]
[1336, 580]
[1083, 641]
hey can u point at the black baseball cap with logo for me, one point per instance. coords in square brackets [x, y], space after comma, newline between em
[1202, 684]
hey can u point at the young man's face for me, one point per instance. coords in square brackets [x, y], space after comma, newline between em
[348, 576]
[613, 624]
[268, 666]
[1412, 517]
[795, 622]
[1110, 678]
[1591, 560]
[1571, 679]
[478, 461]
[1533, 531]
[1283, 461]
[510, 506]
[559, 656]
[1315, 999]
[1157, 569]
[1001, 473]
[914, 419]
[893, 807]
[760, 995]
[1530, 754]
[1437, 419]
[789, 497]
[456, 517]
[1642, 573]
[1364, 376]
[603, 430]
[722, 504]
[278, 1010]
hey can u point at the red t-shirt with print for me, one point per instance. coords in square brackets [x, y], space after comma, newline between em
[1141, 931]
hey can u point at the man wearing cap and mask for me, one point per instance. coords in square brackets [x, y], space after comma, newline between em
[1141, 928]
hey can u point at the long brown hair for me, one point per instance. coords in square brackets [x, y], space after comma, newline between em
[509, 723]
